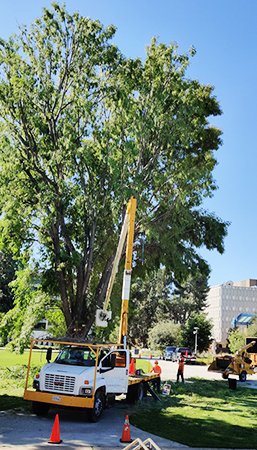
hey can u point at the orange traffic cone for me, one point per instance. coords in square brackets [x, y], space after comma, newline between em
[126, 437]
[132, 367]
[55, 436]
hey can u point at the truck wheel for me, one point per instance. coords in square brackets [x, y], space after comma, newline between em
[136, 392]
[242, 376]
[40, 409]
[140, 392]
[96, 412]
[131, 394]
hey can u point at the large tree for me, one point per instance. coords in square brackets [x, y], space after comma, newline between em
[83, 128]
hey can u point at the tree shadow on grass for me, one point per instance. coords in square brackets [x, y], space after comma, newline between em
[198, 432]
[14, 403]
[193, 415]
[215, 389]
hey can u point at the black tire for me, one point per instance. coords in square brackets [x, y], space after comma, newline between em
[242, 376]
[136, 392]
[40, 409]
[110, 400]
[99, 404]
[140, 392]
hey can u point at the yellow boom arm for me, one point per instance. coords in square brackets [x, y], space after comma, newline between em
[131, 213]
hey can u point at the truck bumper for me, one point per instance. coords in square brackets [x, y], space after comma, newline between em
[58, 399]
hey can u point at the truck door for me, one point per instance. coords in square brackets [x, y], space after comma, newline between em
[114, 368]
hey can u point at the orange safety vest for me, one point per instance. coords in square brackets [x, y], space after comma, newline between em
[181, 365]
[156, 369]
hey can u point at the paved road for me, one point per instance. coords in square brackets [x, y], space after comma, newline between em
[26, 431]
[169, 371]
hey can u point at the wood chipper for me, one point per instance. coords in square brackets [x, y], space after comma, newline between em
[239, 364]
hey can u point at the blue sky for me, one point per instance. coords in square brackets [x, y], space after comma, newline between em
[224, 33]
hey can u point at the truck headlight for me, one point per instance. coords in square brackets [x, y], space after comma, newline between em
[86, 391]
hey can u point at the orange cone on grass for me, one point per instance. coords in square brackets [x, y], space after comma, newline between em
[126, 437]
[55, 436]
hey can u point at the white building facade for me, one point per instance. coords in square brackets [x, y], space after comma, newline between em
[226, 301]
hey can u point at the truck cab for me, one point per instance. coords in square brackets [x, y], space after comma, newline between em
[73, 372]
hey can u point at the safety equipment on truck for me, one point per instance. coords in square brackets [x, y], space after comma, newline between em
[132, 367]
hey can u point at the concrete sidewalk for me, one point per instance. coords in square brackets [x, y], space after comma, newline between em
[28, 431]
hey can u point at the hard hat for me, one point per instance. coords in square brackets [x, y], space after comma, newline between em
[156, 362]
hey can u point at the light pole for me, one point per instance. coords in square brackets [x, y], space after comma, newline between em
[195, 333]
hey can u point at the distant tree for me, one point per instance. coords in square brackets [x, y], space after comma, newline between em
[82, 129]
[163, 334]
[155, 299]
[252, 329]
[203, 335]
[189, 297]
[236, 339]
[148, 306]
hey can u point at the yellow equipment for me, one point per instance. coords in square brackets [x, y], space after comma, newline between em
[127, 233]
[239, 364]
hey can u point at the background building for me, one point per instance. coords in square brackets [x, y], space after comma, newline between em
[227, 301]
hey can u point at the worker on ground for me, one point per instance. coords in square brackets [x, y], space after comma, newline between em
[157, 382]
[180, 372]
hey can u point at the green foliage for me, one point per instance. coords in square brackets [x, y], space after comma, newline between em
[154, 300]
[149, 305]
[203, 335]
[29, 307]
[189, 297]
[57, 326]
[238, 336]
[236, 340]
[252, 329]
[83, 128]
[163, 334]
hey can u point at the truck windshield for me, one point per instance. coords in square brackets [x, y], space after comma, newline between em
[76, 356]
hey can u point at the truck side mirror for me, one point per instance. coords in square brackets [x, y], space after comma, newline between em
[49, 355]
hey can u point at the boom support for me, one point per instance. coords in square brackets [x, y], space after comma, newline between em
[131, 213]
[126, 235]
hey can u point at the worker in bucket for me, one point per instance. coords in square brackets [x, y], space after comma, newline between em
[157, 382]
[180, 372]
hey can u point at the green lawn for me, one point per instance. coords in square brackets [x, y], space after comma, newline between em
[203, 413]
[8, 358]
[12, 377]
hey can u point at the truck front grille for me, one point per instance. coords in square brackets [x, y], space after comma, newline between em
[59, 383]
